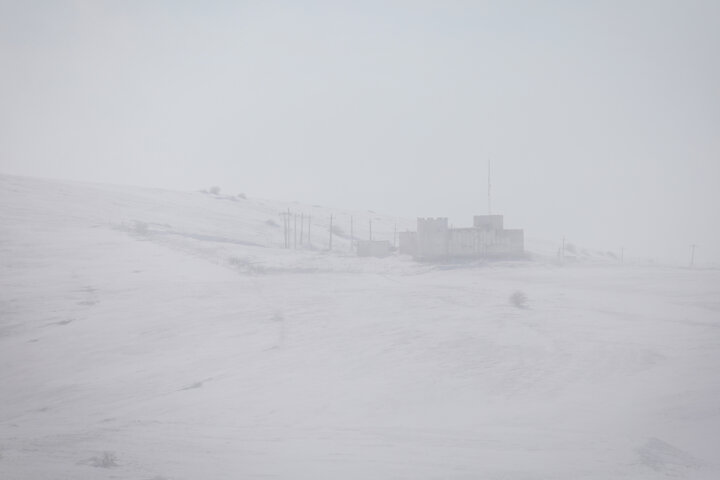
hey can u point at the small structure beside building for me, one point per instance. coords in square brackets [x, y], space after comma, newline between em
[487, 238]
[408, 243]
[373, 248]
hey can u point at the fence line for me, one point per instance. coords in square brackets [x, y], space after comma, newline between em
[300, 236]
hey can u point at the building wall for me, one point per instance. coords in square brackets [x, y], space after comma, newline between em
[470, 241]
[477, 242]
[463, 241]
[432, 237]
[488, 222]
[487, 238]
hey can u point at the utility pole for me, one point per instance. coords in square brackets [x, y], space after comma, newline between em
[282, 214]
[295, 231]
[287, 230]
[286, 222]
[309, 237]
[302, 226]
[489, 196]
[692, 255]
[330, 243]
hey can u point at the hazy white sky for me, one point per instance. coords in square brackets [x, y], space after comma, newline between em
[602, 119]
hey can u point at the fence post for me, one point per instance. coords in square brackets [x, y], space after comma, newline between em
[286, 228]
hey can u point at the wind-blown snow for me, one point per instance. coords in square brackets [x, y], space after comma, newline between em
[148, 334]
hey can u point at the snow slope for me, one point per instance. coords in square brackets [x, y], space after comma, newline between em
[148, 334]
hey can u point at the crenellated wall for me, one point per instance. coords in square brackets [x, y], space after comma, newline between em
[486, 238]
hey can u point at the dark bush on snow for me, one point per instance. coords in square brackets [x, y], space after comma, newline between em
[519, 299]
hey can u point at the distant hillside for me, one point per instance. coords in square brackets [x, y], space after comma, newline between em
[245, 232]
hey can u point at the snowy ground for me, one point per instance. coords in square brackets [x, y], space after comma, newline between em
[147, 334]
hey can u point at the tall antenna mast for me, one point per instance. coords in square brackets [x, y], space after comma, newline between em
[489, 197]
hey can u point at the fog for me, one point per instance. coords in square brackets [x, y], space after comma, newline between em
[600, 119]
[217, 258]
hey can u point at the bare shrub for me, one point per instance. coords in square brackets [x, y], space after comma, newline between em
[242, 195]
[141, 228]
[518, 299]
[215, 190]
[245, 264]
[239, 261]
[106, 460]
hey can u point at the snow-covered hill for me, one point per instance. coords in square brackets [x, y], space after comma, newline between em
[148, 334]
